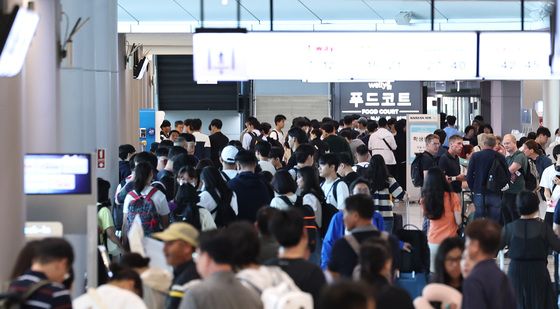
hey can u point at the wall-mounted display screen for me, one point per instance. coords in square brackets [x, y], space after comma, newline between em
[57, 174]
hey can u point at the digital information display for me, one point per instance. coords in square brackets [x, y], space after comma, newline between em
[57, 174]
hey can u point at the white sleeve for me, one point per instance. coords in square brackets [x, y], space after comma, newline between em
[233, 203]
[161, 203]
[546, 181]
[311, 200]
[246, 143]
[556, 194]
[275, 203]
[119, 188]
[341, 194]
[391, 141]
[206, 201]
[206, 220]
[207, 141]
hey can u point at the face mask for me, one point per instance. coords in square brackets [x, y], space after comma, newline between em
[557, 139]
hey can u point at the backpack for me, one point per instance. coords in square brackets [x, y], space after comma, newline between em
[144, 207]
[117, 211]
[531, 176]
[498, 176]
[362, 171]
[308, 217]
[418, 260]
[224, 213]
[416, 171]
[255, 139]
[355, 245]
[328, 210]
[13, 300]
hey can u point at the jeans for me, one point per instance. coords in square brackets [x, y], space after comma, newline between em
[487, 205]
[388, 224]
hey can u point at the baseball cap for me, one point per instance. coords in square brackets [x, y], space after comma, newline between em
[179, 231]
[228, 154]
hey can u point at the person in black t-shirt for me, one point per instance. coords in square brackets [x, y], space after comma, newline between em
[217, 141]
[288, 229]
[449, 163]
[429, 156]
[345, 169]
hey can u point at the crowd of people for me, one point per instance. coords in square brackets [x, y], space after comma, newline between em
[304, 217]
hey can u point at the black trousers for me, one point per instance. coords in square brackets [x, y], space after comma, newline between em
[509, 208]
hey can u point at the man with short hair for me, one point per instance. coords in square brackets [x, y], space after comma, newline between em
[543, 134]
[50, 265]
[486, 287]
[553, 144]
[203, 145]
[252, 193]
[179, 126]
[219, 287]
[296, 137]
[262, 151]
[371, 127]
[518, 167]
[180, 242]
[217, 141]
[345, 170]
[487, 203]
[429, 156]
[450, 130]
[227, 159]
[251, 130]
[288, 227]
[187, 126]
[187, 141]
[276, 157]
[161, 154]
[358, 214]
[382, 142]
[362, 128]
[305, 155]
[449, 163]
[353, 141]
[336, 190]
[277, 133]
[337, 144]
[126, 151]
[347, 124]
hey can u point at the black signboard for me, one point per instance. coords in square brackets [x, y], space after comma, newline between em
[374, 100]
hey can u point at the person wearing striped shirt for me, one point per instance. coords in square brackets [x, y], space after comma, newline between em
[384, 189]
[50, 266]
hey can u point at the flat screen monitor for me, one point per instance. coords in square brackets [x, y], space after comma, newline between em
[53, 174]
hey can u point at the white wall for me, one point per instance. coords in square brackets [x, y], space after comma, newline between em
[231, 120]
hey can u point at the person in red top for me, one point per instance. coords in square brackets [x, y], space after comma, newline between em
[442, 206]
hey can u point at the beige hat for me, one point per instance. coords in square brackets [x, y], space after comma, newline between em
[179, 231]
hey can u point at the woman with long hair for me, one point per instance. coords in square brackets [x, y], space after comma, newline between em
[187, 209]
[310, 188]
[285, 188]
[375, 268]
[442, 207]
[146, 201]
[384, 189]
[448, 263]
[217, 197]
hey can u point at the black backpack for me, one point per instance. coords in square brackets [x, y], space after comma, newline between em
[308, 218]
[362, 171]
[416, 171]
[498, 176]
[418, 259]
[255, 139]
[328, 210]
[531, 176]
[224, 213]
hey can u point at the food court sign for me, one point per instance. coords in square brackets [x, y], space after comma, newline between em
[374, 100]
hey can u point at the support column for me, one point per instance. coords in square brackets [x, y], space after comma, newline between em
[505, 106]
[12, 207]
[41, 106]
[551, 106]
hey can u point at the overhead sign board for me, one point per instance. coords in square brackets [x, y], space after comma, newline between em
[374, 100]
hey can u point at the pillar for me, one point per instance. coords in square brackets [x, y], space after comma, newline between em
[551, 104]
[12, 206]
[505, 106]
[41, 106]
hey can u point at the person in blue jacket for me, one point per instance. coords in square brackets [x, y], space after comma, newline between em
[336, 228]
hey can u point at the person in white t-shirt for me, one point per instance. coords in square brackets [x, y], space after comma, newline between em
[262, 151]
[328, 165]
[277, 133]
[285, 191]
[203, 146]
[214, 189]
[310, 188]
[143, 176]
[227, 158]
[550, 181]
[251, 129]
[382, 142]
[122, 291]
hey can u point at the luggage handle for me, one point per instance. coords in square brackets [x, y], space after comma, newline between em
[411, 225]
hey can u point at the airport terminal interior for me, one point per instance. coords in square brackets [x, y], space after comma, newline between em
[279, 154]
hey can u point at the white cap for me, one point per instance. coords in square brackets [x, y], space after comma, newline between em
[229, 153]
